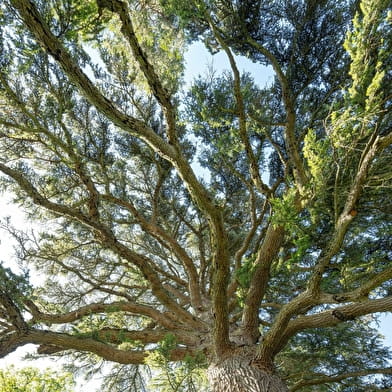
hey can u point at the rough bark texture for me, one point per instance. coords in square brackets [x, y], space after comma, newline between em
[243, 372]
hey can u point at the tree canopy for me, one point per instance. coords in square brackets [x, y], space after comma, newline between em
[227, 226]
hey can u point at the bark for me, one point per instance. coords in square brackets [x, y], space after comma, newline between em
[243, 372]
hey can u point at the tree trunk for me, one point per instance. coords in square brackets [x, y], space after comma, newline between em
[241, 372]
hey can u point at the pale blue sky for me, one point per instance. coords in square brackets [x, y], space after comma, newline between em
[198, 59]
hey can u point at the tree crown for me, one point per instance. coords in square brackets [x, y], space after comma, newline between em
[286, 235]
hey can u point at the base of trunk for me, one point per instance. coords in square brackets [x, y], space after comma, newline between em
[241, 372]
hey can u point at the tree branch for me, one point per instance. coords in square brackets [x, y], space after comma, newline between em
[374, 145]
[44, 36]
[52, 342]
[95, 308]
[253, 165]
[108, 239]
[361, 292]
[311, 296]
[256, 222]
[135, 127]
[160, 93]
[12, 312]
[146, 336]
[332, 317]
[318, 379]
[289, 103]
[266, 254]
[170, 243]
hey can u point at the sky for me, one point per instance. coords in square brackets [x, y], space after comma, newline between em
[197, 62]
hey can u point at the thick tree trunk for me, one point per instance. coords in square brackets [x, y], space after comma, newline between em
[243, 373]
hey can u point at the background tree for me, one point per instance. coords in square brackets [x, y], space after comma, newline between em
[269, 270]
[33, 380]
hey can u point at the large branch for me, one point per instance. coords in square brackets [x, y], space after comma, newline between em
[374, 146]
[98, 342]
[256, 223]
[257, 289]
[52, 342]
[95, 308]
[112, 335]
[331, 318]
[146, 336]
[53, 46]
[266, 254]
[318, 379]
[160, 93]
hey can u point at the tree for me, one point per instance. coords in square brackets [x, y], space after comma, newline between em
[33, 380]
[269, 271]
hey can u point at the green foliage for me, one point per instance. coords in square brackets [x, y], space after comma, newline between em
[244, 273]
[285, 211]
[345, 348]
[186, 13]
[369, 51]
[243, 277]
[16, 286]
[186, 376]
[366, 47]
[319, 159]
[125, 378]
[30, 379]
[212, 111]
[162, 43]
[286, 215]
[83, 14]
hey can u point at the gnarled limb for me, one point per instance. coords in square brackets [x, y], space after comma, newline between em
[99, 342]
[259, 282]
[52, 342]
[331, 317]
[318, 379]
[96, 308]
